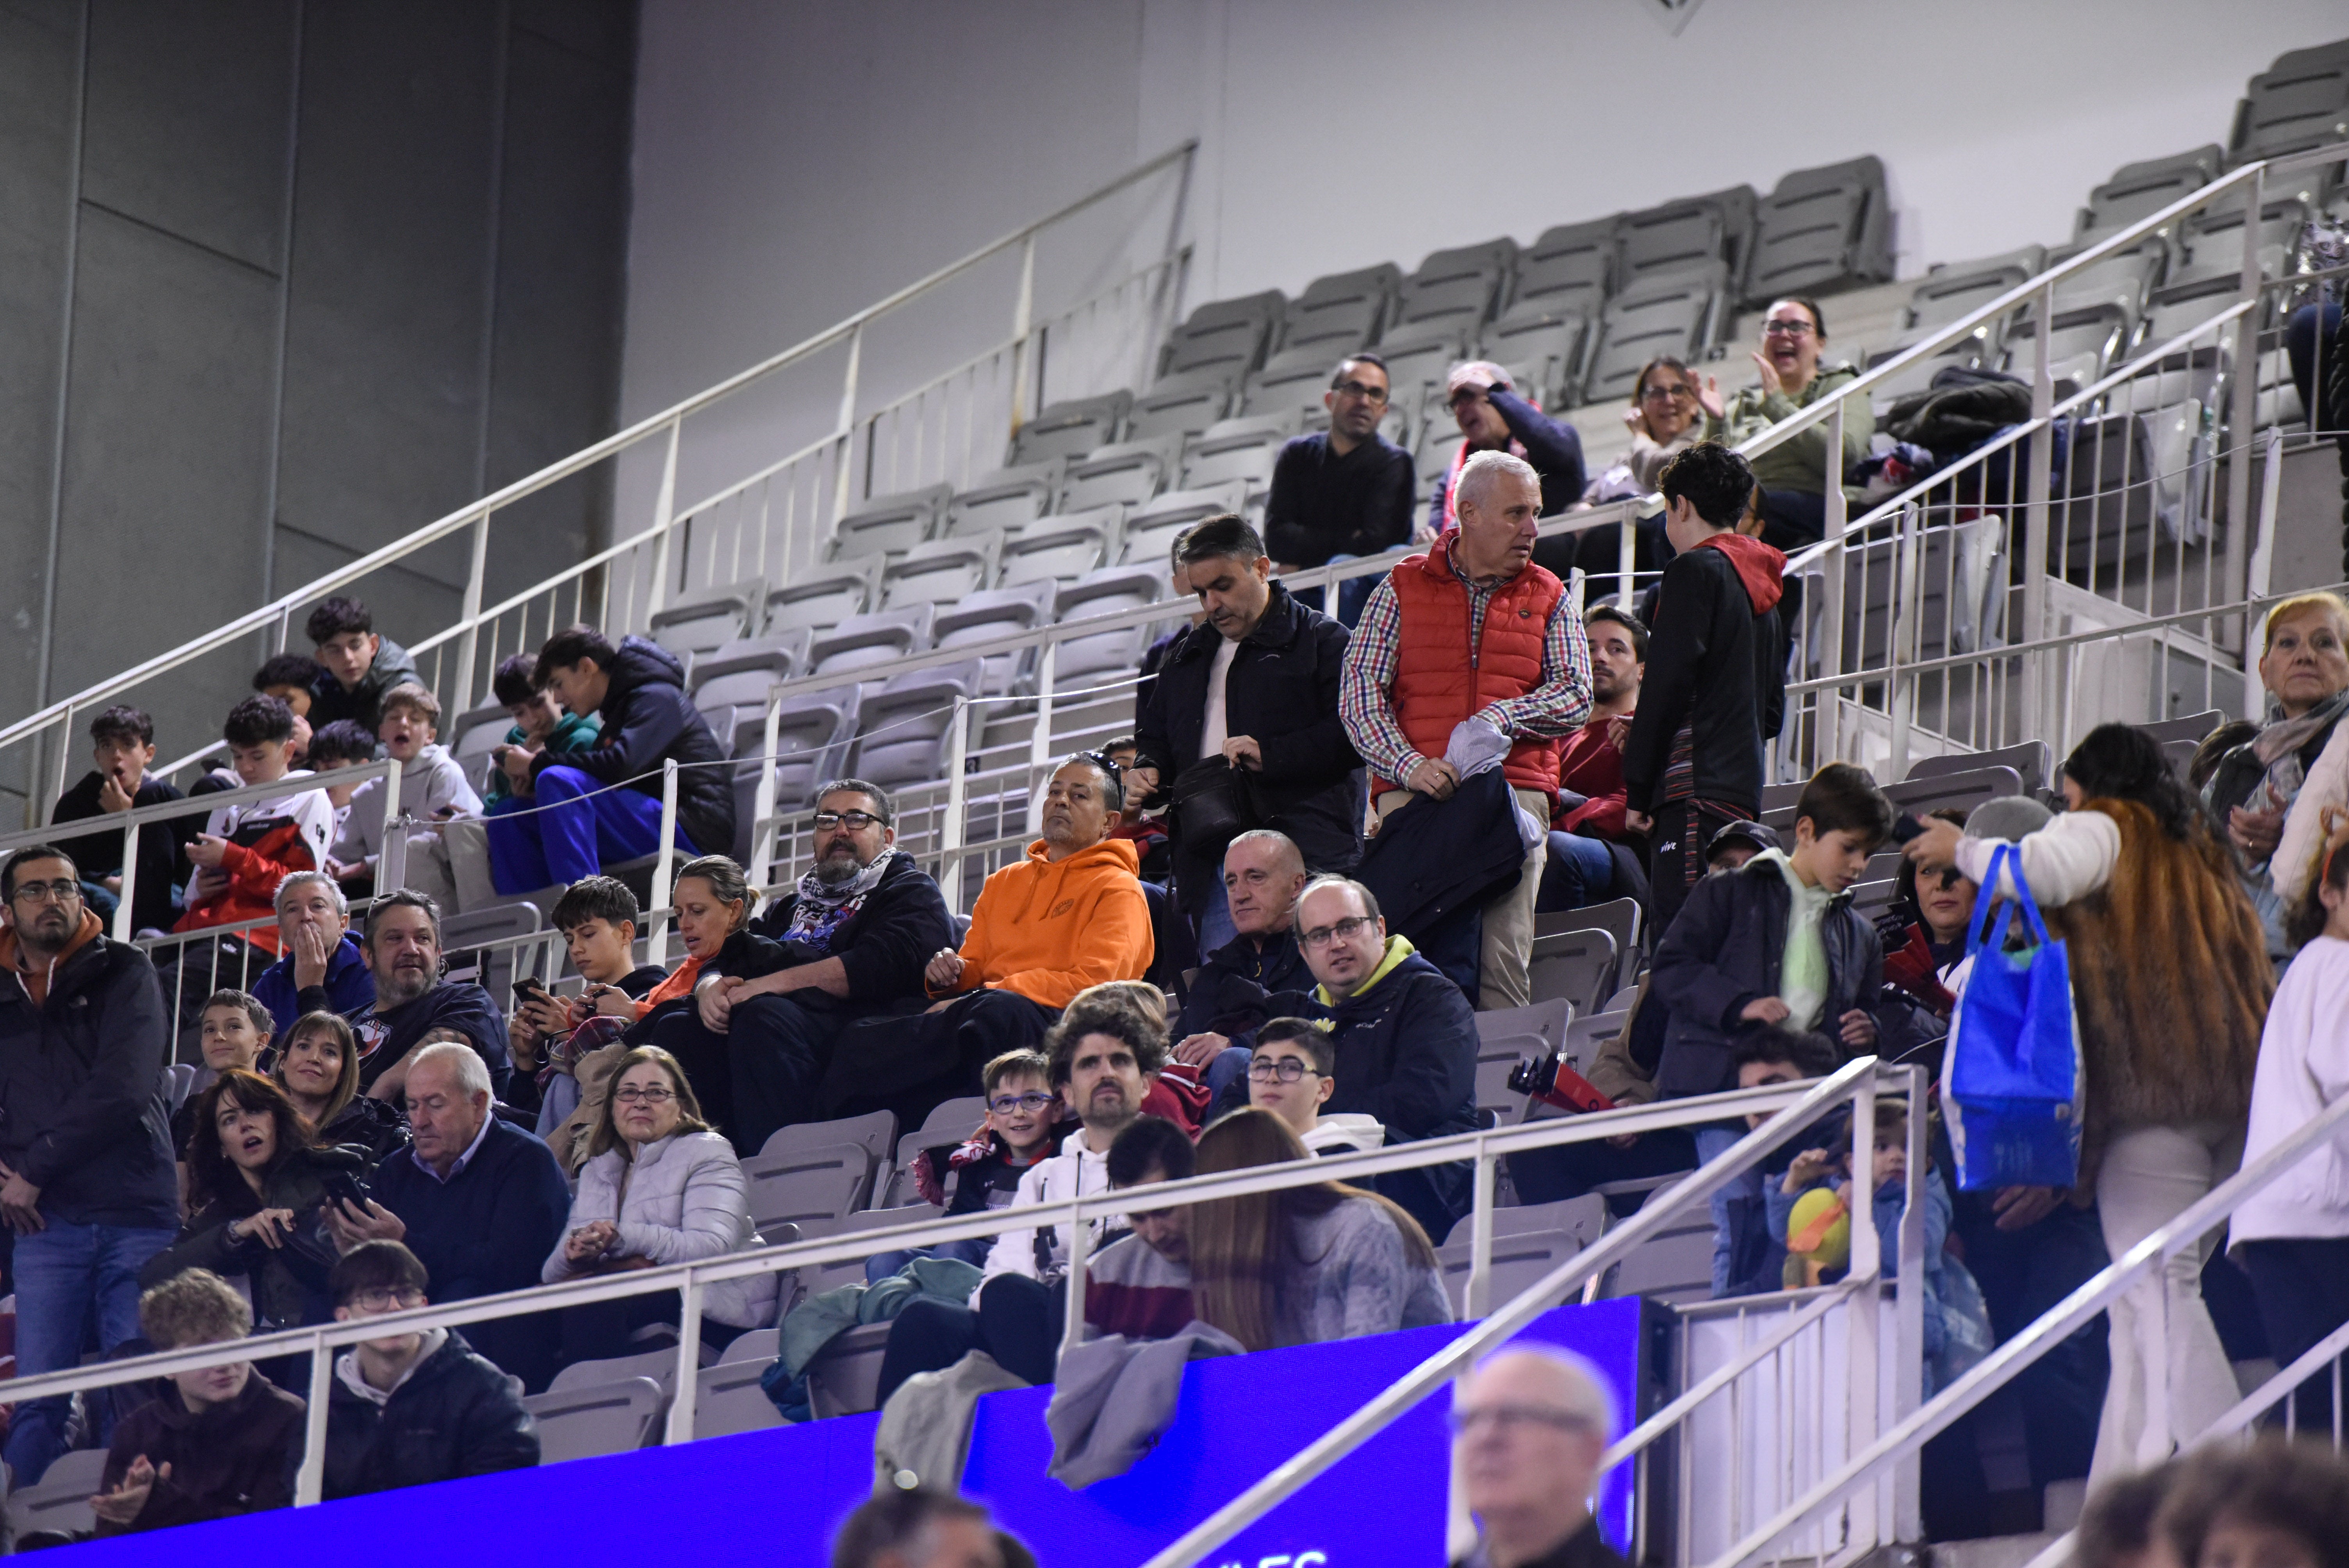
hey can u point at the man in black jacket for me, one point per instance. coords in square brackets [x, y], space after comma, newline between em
[854, 936]
[1495, 418]
[1714, 685]
[413, 1001]
[87, 1180]
[1405, 1039]
[1345, 492]
[122, 741]
[413, 1408]
[1256, 686]
[1230, 994]
[582, 824]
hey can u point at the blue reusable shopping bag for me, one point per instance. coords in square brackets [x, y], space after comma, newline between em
[2012, 1084]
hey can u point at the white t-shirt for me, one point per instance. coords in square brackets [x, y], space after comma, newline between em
[1217, 727]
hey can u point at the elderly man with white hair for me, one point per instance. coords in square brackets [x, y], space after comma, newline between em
[1530, 1425]
[1472, 647]
[478, 1199]
[321, 966]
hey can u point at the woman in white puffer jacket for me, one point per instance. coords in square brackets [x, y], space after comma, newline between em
[658, 1187]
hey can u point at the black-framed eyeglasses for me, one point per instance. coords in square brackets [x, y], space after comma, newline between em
[1785, 329]
[1336, 930]
[387, 1300]
[855, 821]
[1506, 1416]
[1356, 389]
[633, 1095]
[62, 891]
[1672, 394]
[1287, 1069]
[1033, 1100]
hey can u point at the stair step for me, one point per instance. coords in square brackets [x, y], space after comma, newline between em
[1992, 1552]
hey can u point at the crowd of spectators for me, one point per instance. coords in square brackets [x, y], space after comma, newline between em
[1355, 818]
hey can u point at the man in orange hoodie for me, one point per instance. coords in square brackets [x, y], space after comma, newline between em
[1070, 915]
[1715, 684]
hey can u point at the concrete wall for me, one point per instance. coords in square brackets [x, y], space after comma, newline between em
[280, 281]
[796, 161]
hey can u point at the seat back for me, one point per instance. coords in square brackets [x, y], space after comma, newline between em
[1006, 499]
[1182, 405]
[1224, 336]
[890, 524]
[2137, 191]
[1577, 965]
[1821, 228]
[1673, 238]
[657, 1367]
[1619, 918]
[1542, 345]
[2028, 759]
[1070, 429]
[823, 597]
[1236, 451]
[1064, 547]
[1674, 1265]
[1290, 381]
[1343, 311]
[991, 614]
[1536, 1240]
[1672, 315]
[803, 1186]
[942, 571]
[1104, 593]
[2291, 107]
[1569, 268]
[1126, 474]
[727, 1399]
[497, 921]
[1151, 530]
[695, 623]
[811, 737]
[1419, 355]
[59, 1501]
[1456, 289]
[908, 725]
[586, 1423]
[1545, 1020]
[874, 1132]
[873, 638]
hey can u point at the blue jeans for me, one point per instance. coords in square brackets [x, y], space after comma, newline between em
[1580, 872]
[65, 1275]
[2302, 333]
[1216, 927]
[580, 827]
[972, 1250]
[1711, 1143]
[1352, 594]
[1230, 1067]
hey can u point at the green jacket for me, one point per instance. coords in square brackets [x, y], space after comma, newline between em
[572, 733]
[1799, 464]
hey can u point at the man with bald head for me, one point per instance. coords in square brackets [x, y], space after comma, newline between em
[1263, 873]
[1530, 1425]
[1472, 647]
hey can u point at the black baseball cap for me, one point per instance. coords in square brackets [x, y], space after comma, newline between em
[1753, 834]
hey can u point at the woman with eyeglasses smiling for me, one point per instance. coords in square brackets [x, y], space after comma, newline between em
[1795, 371]
[659, 1186]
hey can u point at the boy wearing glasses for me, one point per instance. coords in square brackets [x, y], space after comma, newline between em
[1023, 1127]
[1292, 1074]
[412, 1408]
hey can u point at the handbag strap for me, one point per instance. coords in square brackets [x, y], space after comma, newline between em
[2008, 856]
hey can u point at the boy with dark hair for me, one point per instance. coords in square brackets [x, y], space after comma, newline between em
[341, 744]
[582, 822]
[1713, 688]
[122, 745]
[1775, 945]
[597, 917]
[231, 1031]
[1023, 1126]
[248, 848]
[1292, 1072]
[538, 721]
[292, 680]
[221, 1440]
[412, 1408]
[356, 666]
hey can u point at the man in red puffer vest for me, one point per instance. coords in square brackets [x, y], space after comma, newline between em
[1472, 629]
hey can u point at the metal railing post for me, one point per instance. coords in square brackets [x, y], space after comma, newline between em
[1478, 1297]
[391, 864]
[1023, 322]
[762, 802]
[1072, 1331]
[665, 868]
[1040, 740]
[129, 894]
[1908, 1316]
[847, 425]
[665, 520]
[2262, 566]
[1829, 720]
[681, 1397]
[310, 1481]
[950, 831]
[1627, 544]
[1862, 1321]
[470, 616]
[1901, 628]
[2242, 419]
[2036, 691]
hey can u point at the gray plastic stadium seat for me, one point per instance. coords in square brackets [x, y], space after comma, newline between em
[729, 684]
[1671, 315]
[811, 738]
[655, 1366]
[1227, 335]
[1419, 356]
[498, 922]
[1570, 267]
[941, 571]
[2029, 760]
[696, 622]
[2290, 107]
[2137, 191]
[2125, 280]
[908, 727]
[890, 524]
[1458, 288]
[728, 1398]
[1070, 429]
[1577, 965]
[1343, 311]
[2210, 245]
[1151, 530]
[845, 1379]
[816, 1280]
[1439, 439]
[2192, 726]
[803, 1186]
[874, 1132]
[1294, 379]
[474, 734]
[1619, 918]
[991, 614]
[1542, 345]
[1006, 499]
[1102, 592]
[823, 596]
[1870, 899]
[1953, 293]
[1674, 1265]
[1528, 1241]
[862, 642]
[2081, 347]
[1964, 790]
[1821, 229]
[1497, 1055]
[588, 1423]
[1064, 547]
[60, 1499]
[1125, 474]
[900, 1188]
[1183, 405]
[1545, 1020]
[1235, 450]
[1679, 235]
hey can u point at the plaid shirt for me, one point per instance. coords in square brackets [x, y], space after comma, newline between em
[1365, 696]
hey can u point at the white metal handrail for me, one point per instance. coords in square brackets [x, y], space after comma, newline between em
[1793, 1106]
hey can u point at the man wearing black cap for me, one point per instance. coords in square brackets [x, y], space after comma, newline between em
[1731, 846]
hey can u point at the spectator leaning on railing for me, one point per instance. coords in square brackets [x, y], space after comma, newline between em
[87, 1179]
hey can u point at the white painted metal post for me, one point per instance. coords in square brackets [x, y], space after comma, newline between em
[1909, 1317]
[688, 1361]
[950, 831]
[470, 616]
[762, 802]
[847, 425]
[2244, 416]
[1022, 324]
[310, 1481]
[1830, 718]
[665, 868]
[663, 519]
[1479, 1297]
[1862, 1326]
[1072, 1332]
[1040, 740]
[1626, 543]
[2036, 691]
[129, 893]
[2261, 568]
[391, 864]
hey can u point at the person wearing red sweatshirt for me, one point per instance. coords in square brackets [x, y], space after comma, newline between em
[1714, 682]
[247, 849]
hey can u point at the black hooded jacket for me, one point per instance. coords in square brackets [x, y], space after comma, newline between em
[454, 1414]
[1717, 667]
[883, 942]
[1282, 690]
[647, 719]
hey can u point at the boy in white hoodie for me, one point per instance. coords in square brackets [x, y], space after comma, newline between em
[432, 791]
